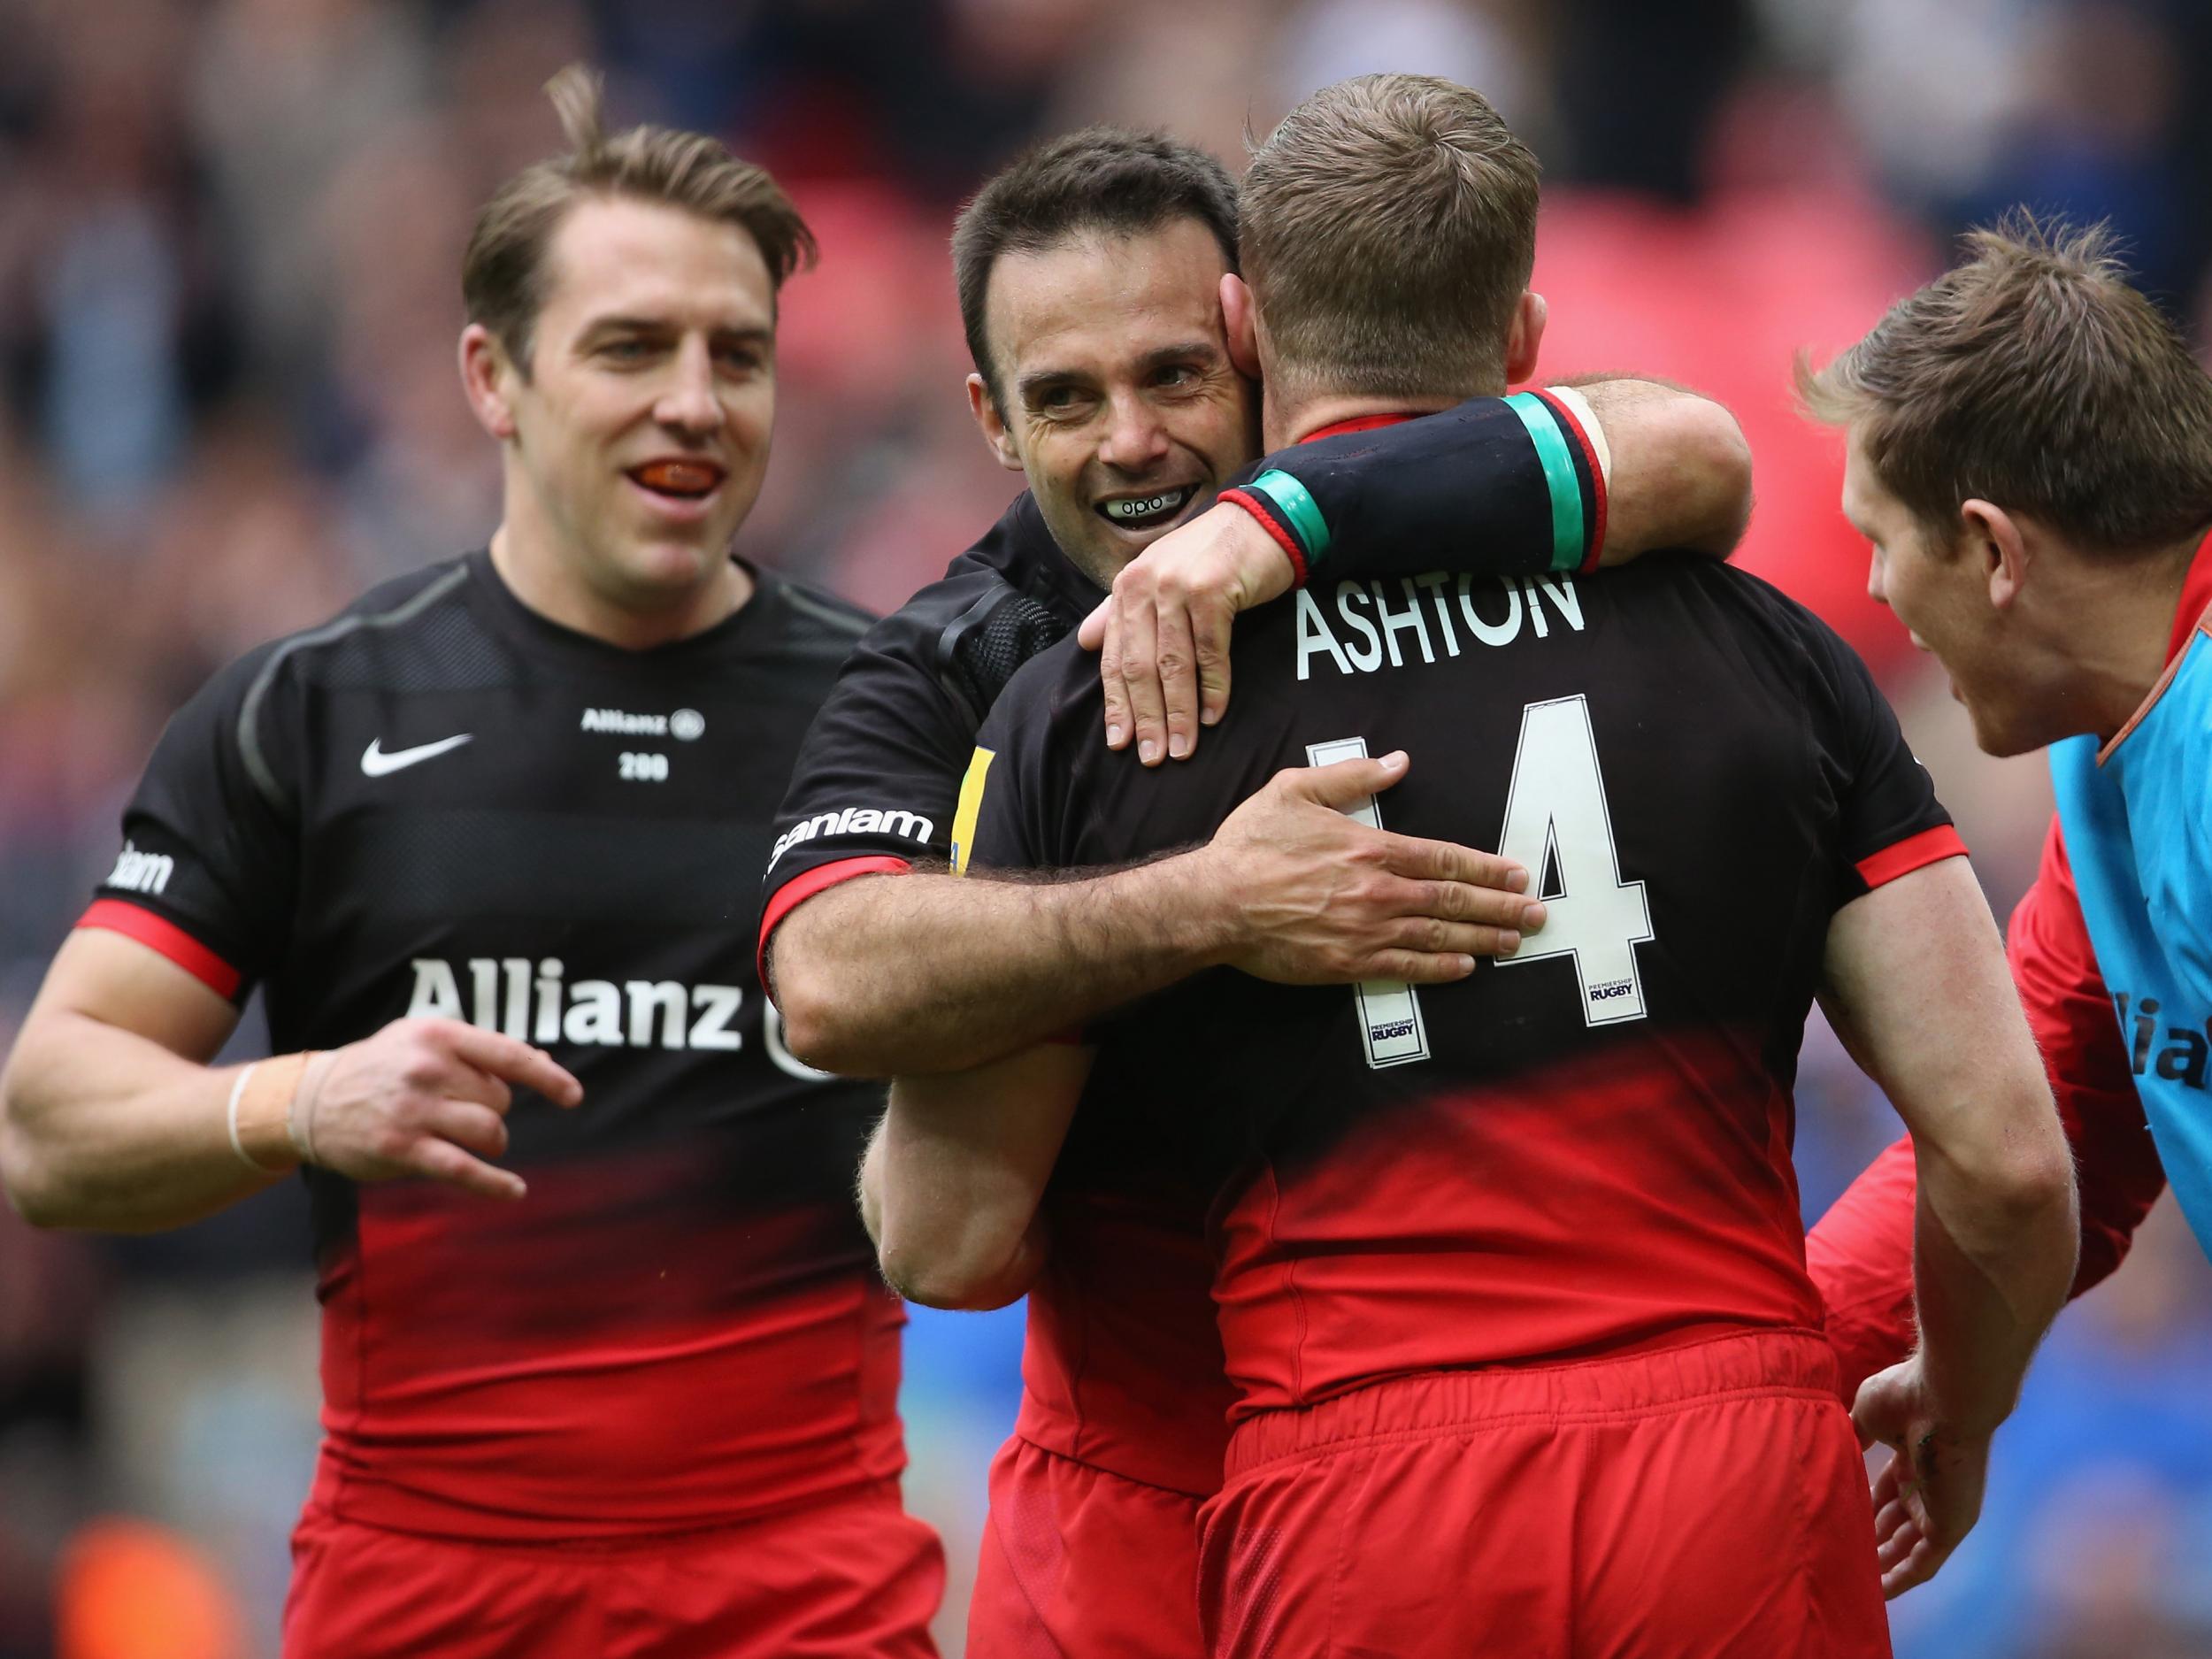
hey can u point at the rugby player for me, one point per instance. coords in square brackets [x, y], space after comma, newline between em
[1089, 274]
[487, 840]
[1509, 1272]
[2029, 455]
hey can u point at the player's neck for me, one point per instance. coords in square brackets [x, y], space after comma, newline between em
[2122, 624]
[537, 575]
[1292, 420]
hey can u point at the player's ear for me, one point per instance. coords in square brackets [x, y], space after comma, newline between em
[488, 376]
[1240, 326]
[1994, 538]
[1523, 336]
[984, 407]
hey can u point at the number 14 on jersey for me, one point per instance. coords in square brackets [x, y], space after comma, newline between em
[1555, 818]
[1556, 821]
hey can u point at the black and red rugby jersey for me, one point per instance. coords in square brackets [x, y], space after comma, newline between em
[442, 803]
[1122, 1364]
[1584, 1149]
[1493, 486]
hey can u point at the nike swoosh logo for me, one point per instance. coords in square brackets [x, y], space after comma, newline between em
[375, 763]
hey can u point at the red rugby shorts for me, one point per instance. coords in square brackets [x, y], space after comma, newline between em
[1078, 1561]
[854, 1577]
[1695, 1502]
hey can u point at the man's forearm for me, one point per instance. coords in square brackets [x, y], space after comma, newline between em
[908, 975]
[953, 1178]
[1918, 991]
[105, 1129]
[929, 971]
[1677, 474]
[1992, 1267]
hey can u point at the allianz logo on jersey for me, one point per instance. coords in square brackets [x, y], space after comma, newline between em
[2179, 1058]
[142, 873]
[686, 725]
[854, 820]
[536, 1001]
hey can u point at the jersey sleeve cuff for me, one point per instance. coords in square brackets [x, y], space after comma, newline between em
[1581, 423]
[804, 886]
[162, 936]
[1284, 536]
[1915, 852]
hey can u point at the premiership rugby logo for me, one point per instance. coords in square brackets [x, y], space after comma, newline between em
[854, 820]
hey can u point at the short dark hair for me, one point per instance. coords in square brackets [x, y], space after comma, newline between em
[1098, 179]
[2033, 375]
[1389, 233]
[502, 274]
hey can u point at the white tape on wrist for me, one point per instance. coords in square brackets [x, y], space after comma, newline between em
[237, 1094]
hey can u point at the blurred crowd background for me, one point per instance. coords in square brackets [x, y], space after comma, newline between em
[230, 233]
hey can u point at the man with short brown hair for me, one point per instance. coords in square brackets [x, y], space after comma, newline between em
[485, 840]
[1359, 216]
[2029, 455]
[504, 268]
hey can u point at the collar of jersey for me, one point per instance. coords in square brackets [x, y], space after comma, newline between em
[1357, 422]
[2196, 599]
[518, 621]
[2190, 615]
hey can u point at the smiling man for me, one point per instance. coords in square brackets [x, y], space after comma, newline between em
[475, 837]
[1106, 471]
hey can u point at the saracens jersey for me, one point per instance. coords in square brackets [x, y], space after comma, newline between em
[442, 803]
[1122, 1364]
[1582, 1150]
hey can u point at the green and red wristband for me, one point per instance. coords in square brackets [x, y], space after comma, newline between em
[1288, 512]
[1570, 462]
[1574, 483]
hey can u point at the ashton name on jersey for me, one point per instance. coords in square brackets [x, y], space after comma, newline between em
[1359, 643]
